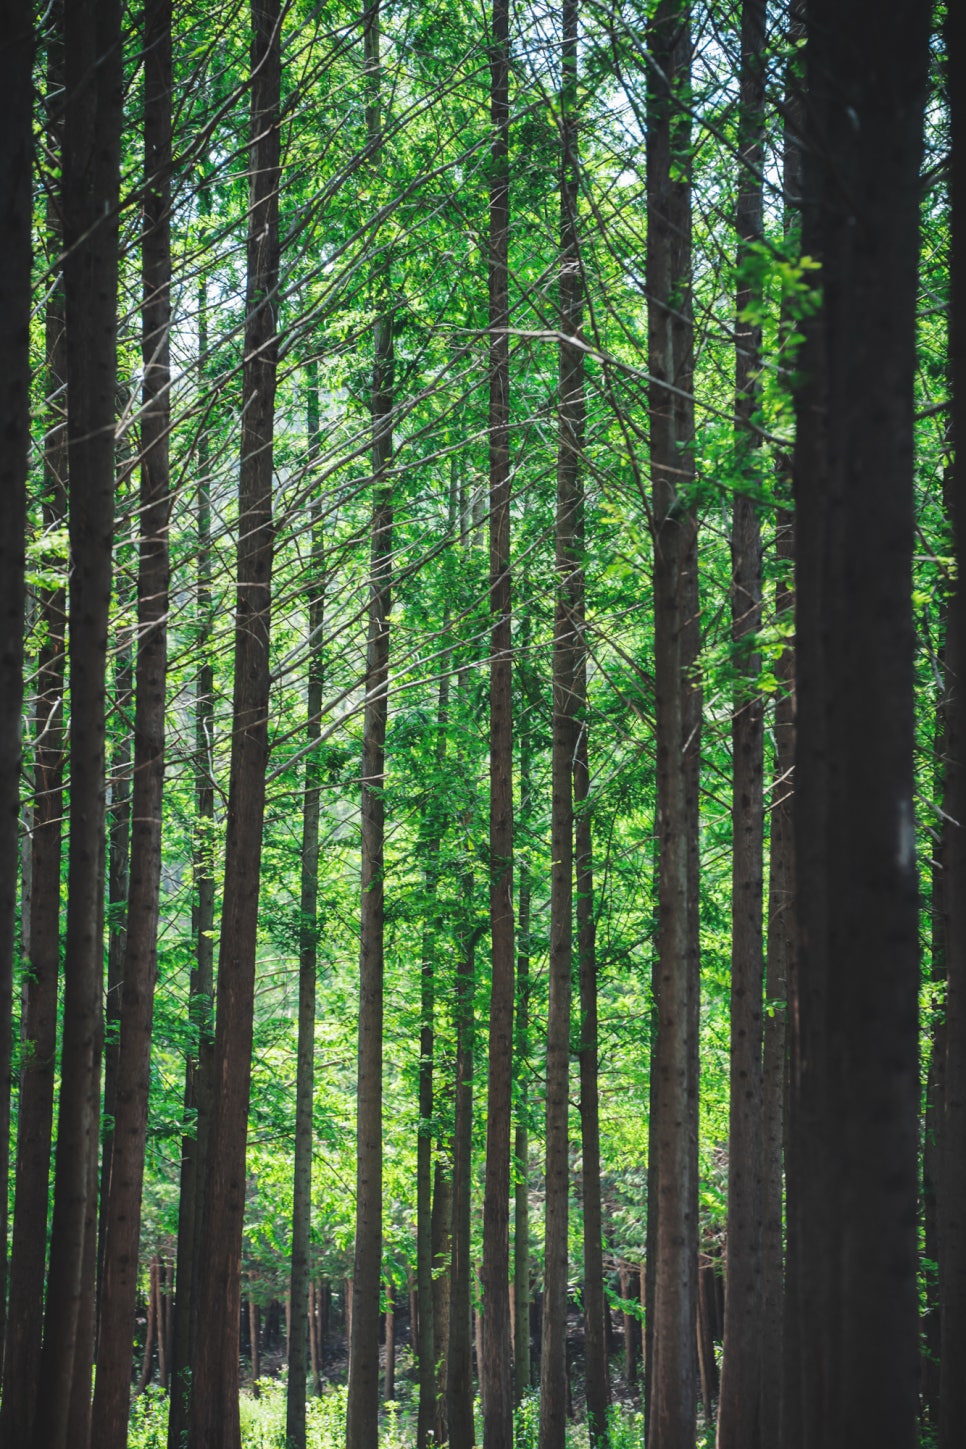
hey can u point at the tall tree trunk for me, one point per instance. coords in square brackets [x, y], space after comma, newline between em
[91, 180]
[214, 1418]
[459, 1358]
[566, 654]
[673, 1196]
[308, 959]
[595, 1342]
[952, 1212]
[442, 1282]
[852, 1198]
[521, 1046]
[738, 1413]
[22, 1346]
[16, 111]
[198, 1089]
[123, 1214]
[497, 1366]
[363, 1402]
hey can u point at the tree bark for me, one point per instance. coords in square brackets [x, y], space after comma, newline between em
[214, 1420]
[497, 1367]
[363, 1401]
[673, 1186]
[112, 1391]
[459, 1359]
[91, 180]
[308, 961]
[852, 1196]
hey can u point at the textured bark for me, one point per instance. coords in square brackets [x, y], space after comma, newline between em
[497, 1366]
[197, 1094]
[22, 1346]
[672, 1192]
[112, 1390]
[595, 1341]
[16, 103]
[738, 1411]
[308, 965]
[566, 655]
[521, 1047]
[363, 1401]
[90, 192]
[459, 1358]
[852, 1196]
[214, 1418]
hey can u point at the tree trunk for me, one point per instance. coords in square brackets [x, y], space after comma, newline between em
[151, 1330]
[521, 1043]
[852, 1196]
[459, 1382]
[198, 1067]
[16, 112]
[214, 1418]
[497, 1367]
[442, 1280]
[566, 655]
[389, 1376]
[253, 1325]
[39, 1010]
[308, 960]
[363, 1401]
[91, 181]
[672, 1188]
[738, 1411]
[112, 1392]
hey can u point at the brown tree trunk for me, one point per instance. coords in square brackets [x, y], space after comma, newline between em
[39, 1009]
[151, 1330]
[459, 1359]
[91, 180]
[855, 1085]
[738, 1410]
[16, 116]
[112, 1392]
[672, 1187]
[214, 1422]
[389, 1376]
[521, 1044]
[497, 1367]
[442, 1280]
[253, 1327]
[308, 962]
[363, 1401]
[197, 1094]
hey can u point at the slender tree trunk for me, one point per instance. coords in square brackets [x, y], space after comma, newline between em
[91, 180]
[672, 1392]
[595, 1343]
[497, 1366]
[521, 1043]
[852, 1198]
[123, 1214]
[198, 1090]
[566, 651]
[389, 1375]
[151, 1330]
[39, 1009]
[459, 1359]
[308, 963]
[16, 112]
[442, 1281]
[214, 1418]
[738, 1412]
[363, 1401]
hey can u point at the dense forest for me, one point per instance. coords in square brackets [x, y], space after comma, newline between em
[483, 761]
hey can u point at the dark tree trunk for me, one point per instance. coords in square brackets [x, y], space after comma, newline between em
[123, 1211]
[566, 654]
[39, 1009]
[91, 180]
[521, 1046]
[672, 1188]
[214, 1418]
[197, 1095]
[442, 1281]
[738, 1412]
[497, 1367]
[459, 1358]
[363, 1402]
[389, 1375]
[308, 962]
[852, 1196]
[16, 114]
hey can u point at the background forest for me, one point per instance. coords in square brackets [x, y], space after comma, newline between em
[482, 947]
